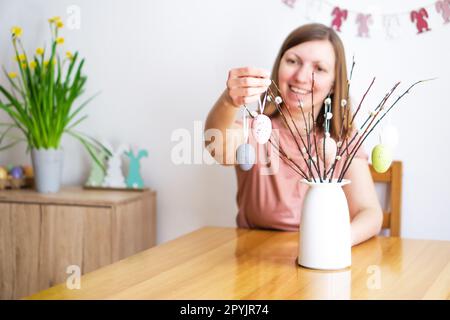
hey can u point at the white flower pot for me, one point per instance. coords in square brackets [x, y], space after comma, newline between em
[325, 239]
[47, 166]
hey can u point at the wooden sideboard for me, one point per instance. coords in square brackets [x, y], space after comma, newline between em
[41, 235]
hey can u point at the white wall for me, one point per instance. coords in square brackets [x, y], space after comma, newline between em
[160, 65]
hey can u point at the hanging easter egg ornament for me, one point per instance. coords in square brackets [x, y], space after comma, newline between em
[381, 158]
[327, 150]
[327, 147]
[245, 153]
[245, 156]
[389, 136]
[262, 126]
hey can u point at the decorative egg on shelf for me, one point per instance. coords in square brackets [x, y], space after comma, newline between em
[246, 156]
[16, 172]
[381, 158]
[28, 171]
[3, 173]
[262, 128]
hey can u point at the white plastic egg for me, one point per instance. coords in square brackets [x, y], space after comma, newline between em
[262, 128]
[330, 150]
[389, 136]
[245, 156]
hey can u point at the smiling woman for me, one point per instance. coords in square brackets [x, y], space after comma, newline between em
[309, 69]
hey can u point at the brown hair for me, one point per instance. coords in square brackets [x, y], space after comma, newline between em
[310, 32]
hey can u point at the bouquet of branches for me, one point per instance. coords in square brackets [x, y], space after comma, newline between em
[322, 154]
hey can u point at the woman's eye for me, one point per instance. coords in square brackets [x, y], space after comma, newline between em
[290, 61]
[320, 69]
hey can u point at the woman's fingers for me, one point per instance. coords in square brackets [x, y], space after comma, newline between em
[246, 100]
[248, 72]
[245, 85]
[248, 82]
[246, 92]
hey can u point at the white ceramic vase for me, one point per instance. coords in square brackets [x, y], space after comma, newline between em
[325, 239]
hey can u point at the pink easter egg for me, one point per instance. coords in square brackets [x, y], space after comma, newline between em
[261, 128]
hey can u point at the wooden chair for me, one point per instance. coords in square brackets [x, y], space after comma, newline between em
[391, 218]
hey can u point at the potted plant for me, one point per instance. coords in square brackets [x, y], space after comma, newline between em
[41, 103]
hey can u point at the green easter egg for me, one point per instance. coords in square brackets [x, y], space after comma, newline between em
[381, 158]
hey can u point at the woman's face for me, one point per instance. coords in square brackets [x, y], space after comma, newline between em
[295, 73]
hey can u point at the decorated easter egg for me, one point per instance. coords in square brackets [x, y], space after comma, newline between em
[262, 128]
[389, 136]
[28, 171]
[3, 173]
[330, 150]
[245, 156]
[16, 172]
[381, 158]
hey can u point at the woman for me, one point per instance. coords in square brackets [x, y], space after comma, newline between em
[274, 201]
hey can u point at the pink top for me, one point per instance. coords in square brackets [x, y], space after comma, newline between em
[274, 201]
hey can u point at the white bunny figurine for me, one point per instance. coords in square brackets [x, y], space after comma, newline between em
[114, 176]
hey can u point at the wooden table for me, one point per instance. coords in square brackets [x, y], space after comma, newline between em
[229, 263]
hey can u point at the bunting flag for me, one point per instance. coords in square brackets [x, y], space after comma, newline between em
[365, 24]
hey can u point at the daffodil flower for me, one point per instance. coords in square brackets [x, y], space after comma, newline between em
[33, 64]
[40, 51]
[54, 19]
[16, 31]
[22, 57]
[60, 40]
[59, 24]
[69, 55]
[12, 75]
[24, 65]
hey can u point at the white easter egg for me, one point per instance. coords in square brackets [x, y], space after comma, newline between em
[381, 158]
[245, 156]
[330, 150]
[389, 136]
[262, 128]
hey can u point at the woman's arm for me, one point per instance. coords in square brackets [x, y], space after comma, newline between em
[365, 212]
[244, 85]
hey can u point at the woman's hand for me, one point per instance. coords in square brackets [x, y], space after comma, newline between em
[245, 85]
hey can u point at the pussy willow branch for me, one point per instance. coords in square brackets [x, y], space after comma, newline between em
[362, 100]
[370, 117]
[282, 154]
[314, 126]
[362, 137]
[381, 118]
[341, 151]
[292, 134]
[308, 164]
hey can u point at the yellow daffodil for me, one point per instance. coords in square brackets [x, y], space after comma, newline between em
[46, 62]
[69, 55]
[12, 75]
[21, 57]
[16, 31]
[60, 40]
[59, 24]
[24, 65]
[54, 19]
[40, 51]
[33, 64]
